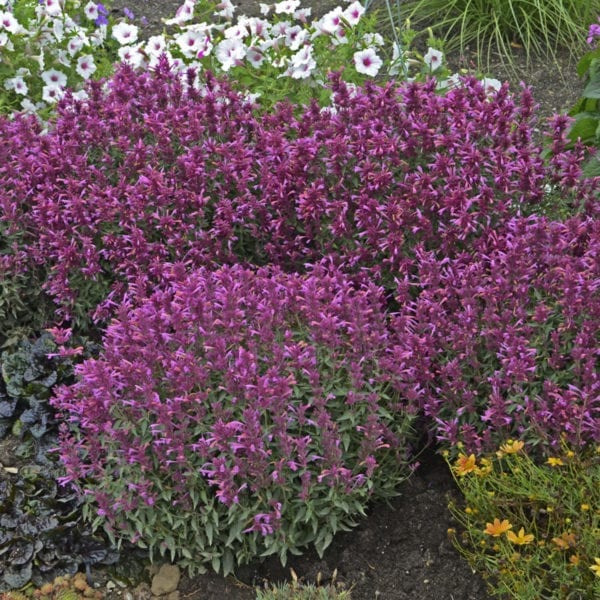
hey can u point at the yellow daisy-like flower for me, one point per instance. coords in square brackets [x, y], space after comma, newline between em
[521, 538]
[574, 560]
[465, 464]
[596, 567]
[565, 541]
[497, 528]
[585, 507]
[512, 447]
[555, 462]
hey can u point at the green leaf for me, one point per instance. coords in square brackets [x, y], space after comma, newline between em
[216, 564]
[227, 562]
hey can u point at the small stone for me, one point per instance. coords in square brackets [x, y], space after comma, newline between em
[173, 596]
[166, 580]
[110, 585]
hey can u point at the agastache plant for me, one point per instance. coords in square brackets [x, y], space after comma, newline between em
[502, 342]
[237, 412]
[149, 177]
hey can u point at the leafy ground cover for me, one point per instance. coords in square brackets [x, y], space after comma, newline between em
[399, 551]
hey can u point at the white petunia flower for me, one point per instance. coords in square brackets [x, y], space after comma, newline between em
[265, 9]
[184, 13]
[58, 28]
[51, 8]
[230, 52]
[367, 62]
[8, 22]
[63, 58]
[257, 27]
[236, 31]
[80, 95]
[302, 14]
[54, 77]
[340, 37]
[98, 36]
[491, 85]
[353, 13]
[52, 93]
[255, 57]
[225, 9]
[280, 28]
[28, 106]
[85, 66]
[295, 37]
[433, 59]
[125, 33]
[332, 21]
[90, 10]
[17, 84]
[132, 56]
[302, 64]
[191, 42]
[286, 7]
[155, 45]
[373, 39]
[75, 44]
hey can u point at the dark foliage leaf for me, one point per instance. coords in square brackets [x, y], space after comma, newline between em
[7, 407]
[20, 554]
[16, 578]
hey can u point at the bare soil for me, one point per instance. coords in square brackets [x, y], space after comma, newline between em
[401, 551]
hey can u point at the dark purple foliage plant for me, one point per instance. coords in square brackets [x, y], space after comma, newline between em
[238, 413]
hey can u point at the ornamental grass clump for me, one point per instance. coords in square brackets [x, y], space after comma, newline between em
[504, 342]
[237, 413]
[151, 176]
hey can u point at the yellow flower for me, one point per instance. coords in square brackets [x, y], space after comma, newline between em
[555, 462]
[512, 447]
[574, 559]
[497, 528]
[596, 567]
[565, 541]
[465, 464]
[486, 467]
[521, 539]
[585, 507]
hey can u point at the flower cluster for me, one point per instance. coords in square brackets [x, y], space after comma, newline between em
[532, 527]
[50, 45]
[504, 341]
[279, 55]
[261, 390]
[593, 33]
[146, 174]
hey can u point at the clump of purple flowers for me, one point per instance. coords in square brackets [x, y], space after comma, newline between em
[248, 407]
[154, 173]
[503, 342]
[288, 293]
